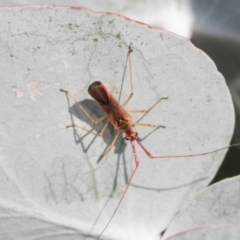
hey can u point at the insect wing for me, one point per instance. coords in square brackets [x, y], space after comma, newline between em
[115, 112]
[100, 93]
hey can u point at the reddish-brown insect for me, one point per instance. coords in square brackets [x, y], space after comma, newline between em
[122, 122]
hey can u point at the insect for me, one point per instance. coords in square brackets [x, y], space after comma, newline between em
[122, 122]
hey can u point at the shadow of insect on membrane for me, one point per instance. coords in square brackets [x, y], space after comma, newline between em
[94, 129]
[119, 118]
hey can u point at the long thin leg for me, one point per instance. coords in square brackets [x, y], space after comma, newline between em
[184, 156]
[131, 81]
[111, 144]
[149, 109]
[103, 129]
[80, 106]
[146, 124]
[90, 131]
[87, 130]
[124, 193]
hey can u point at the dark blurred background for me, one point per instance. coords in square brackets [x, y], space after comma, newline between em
[225, 52]
[216, 30]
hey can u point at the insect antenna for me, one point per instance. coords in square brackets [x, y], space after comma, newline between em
[125, 191]
[184, 156]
